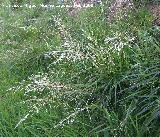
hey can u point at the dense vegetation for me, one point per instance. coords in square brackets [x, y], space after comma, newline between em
[64, 76]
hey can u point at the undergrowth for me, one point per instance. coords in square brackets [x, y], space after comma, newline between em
[78, 76]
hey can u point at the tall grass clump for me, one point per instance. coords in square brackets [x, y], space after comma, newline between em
[79, 76]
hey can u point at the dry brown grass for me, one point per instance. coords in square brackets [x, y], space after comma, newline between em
[124, 6]
[155, 10]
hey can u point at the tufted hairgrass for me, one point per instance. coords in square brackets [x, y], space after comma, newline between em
[78, 76]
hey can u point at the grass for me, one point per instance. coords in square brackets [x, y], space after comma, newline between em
[64, 76]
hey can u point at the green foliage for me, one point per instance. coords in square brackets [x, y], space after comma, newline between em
[78, 76]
